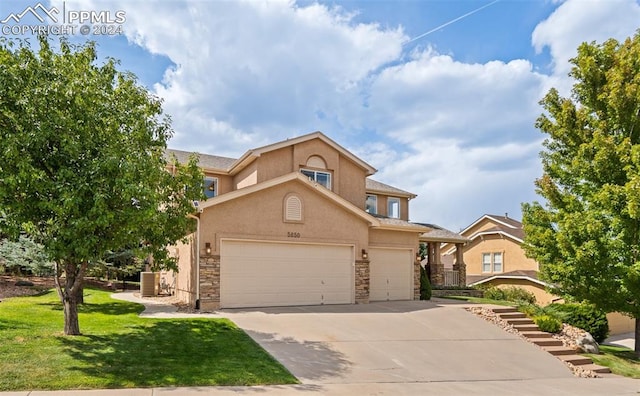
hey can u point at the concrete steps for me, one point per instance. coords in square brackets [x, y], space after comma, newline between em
[559, 350]
[528, 329]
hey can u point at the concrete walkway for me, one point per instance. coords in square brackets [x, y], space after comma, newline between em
[406, 348]
[627, 340]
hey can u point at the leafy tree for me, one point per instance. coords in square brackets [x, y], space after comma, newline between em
[83, 165]
[586, 235]
[121, 264]
[24, 254]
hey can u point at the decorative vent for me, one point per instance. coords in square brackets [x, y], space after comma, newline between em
[315, 161]
[292, 208]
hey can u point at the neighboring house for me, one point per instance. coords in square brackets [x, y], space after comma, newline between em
[494, 257]
[297, 222]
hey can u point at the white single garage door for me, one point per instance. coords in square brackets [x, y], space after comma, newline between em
[263, 274]
[391, 274]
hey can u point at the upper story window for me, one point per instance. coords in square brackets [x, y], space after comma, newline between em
[492, 262]
[210, 186]
[393, 208]
[320, 177]
[371, 205]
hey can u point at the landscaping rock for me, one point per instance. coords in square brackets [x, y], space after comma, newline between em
[588, 344]
[24, 283]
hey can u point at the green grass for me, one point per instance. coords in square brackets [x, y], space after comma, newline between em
[118, 349]
[621, 361]
[478, 300]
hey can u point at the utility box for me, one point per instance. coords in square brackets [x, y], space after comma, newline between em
[149, 284]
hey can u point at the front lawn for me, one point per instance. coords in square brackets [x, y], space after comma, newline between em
[118, 349]
[621, 361]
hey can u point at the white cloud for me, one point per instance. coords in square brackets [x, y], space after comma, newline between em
[576, 21]
[458, 134]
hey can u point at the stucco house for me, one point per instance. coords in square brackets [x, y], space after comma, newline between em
[297, 222]
[494, 257]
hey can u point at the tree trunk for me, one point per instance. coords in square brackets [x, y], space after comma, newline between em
[80, 294]
[637, 343]
[74, 275]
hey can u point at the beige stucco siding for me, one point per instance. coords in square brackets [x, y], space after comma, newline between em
[350, 182]
[185, 278]
[513, 257]
[304, 150]
[620, 324]
[387, 238]
[542, 296]
[259, 216]
[274, 163]
[246, 177]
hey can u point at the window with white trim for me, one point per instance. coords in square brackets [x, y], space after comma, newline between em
[393, 208]
[497, 262]
[371, 205]
[486, 262]
[492, 262]
[320, 177]
[210, 186]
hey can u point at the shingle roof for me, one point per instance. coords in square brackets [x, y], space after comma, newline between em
[440, 234]
[508, 220]
[515, 232]
[388, 221]
[205, 160]
[374, 185]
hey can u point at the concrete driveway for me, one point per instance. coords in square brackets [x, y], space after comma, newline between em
[392, 342]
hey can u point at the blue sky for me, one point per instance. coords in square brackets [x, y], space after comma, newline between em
[449, 116]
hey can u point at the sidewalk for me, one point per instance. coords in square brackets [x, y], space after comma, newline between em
[626, 340]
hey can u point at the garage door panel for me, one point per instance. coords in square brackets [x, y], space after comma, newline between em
[391, 274]
[257, 274]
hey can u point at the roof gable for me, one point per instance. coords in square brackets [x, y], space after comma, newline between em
[501, 225]
[252, 154]
[293, 176]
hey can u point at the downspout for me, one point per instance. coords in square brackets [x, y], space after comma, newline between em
[197, 259]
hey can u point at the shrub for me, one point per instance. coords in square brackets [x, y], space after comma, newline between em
[584, 316]
[511, 293]
[494, 293]
[425, 285]
[548, 323]
[518, 294]
[530, 310]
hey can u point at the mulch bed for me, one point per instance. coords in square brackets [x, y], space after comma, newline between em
[8, 287]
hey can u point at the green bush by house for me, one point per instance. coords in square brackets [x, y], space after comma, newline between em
[548, 323]
[511, 293]
[582, 315]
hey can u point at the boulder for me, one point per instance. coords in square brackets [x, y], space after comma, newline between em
[588, 344]
[24, 283]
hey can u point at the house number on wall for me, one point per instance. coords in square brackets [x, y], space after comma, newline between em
[293, 234]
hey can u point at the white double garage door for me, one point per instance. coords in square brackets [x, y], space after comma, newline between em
[264, 274]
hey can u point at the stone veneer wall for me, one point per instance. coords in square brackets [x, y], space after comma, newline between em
[437, 274]
[209, 283]
[362, 281]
